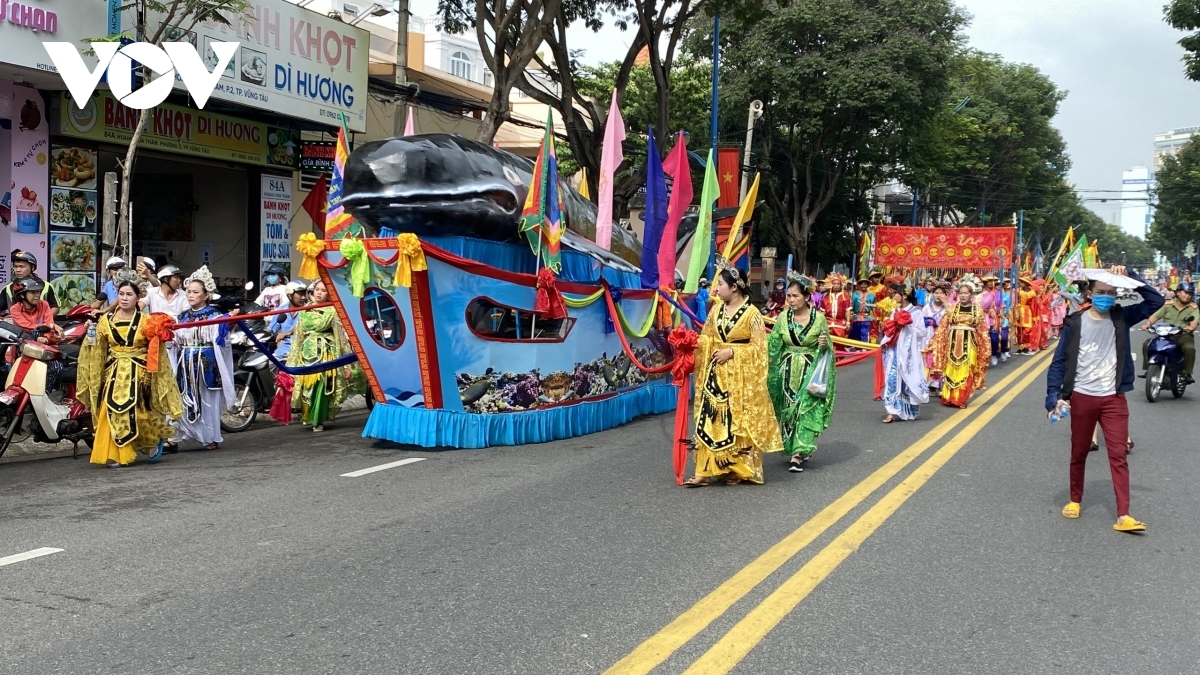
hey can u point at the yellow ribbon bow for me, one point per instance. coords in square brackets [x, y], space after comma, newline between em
[360, 267]
[411, 259]
[310, 247]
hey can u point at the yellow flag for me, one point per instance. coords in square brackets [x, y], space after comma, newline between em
[745, 212]
[583, 186]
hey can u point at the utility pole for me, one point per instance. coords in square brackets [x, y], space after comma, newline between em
[401, 72]
[756, 111]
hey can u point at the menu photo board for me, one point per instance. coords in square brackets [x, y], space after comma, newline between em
[73, 202]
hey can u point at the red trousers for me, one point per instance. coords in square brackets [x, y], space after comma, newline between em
[1112, 413]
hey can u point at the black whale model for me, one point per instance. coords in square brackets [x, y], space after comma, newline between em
[446, 185]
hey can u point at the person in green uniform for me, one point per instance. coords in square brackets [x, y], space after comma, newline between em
[1181, 312]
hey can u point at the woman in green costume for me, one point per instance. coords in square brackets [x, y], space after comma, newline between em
[319, 338]
[794, 345]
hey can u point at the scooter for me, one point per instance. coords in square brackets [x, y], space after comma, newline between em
[254, 381]
[29, 406]
[1164, 362]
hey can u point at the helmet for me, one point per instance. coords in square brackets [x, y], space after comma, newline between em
[168, 271]
[780, 282]
[275, 268]
[26, 285]
[296, 287]
[1187, 287]
[114, 263]
[25, 257]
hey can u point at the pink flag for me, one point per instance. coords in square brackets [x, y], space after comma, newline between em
[408, 124]
[677, 167]
[610, 158]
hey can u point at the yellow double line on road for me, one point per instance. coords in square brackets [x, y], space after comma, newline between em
[749, 631]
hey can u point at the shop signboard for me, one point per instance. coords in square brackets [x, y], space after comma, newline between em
[186, 131]
[27, 200]
[275, 213]
[317, 155]
[26, 24]
[290, 61]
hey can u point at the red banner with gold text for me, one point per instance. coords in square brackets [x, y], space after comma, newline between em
[944, 247]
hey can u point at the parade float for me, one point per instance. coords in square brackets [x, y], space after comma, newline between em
[469, 336]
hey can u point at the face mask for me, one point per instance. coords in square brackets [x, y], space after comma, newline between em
[272, 280]
[1103, 303]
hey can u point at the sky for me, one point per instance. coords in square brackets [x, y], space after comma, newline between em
[1117, 59]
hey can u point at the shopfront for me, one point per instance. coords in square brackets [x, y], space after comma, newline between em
[28, 82]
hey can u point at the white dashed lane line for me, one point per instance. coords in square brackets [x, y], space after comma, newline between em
[381, 467]
[28, 555]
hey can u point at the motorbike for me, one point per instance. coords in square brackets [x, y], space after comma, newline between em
[254, 380]
[1164, 362]
[38, 399]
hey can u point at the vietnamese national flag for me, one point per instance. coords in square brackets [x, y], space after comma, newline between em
[729, 175]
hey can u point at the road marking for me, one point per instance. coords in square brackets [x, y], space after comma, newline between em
[28, 555]
[381, 467]
[748, 632]
[648, 655]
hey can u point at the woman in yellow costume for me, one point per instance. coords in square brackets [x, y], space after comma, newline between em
[735, 422]
[319, 338]
[125, 379]
[962, 347]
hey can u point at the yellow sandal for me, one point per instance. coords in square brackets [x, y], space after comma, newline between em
[1071, 510]
[1129, 524]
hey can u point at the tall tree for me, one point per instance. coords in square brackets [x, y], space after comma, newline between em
[845, 83]
[509, 33]
[991, 148]
[1177, 215]
[1185, 15]
[176, 16]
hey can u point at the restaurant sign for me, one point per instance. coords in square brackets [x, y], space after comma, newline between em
[182, 130]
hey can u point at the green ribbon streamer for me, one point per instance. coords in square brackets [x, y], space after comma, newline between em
[360, 267]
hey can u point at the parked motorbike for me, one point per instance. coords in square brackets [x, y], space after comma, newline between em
[253, 378]
[1164, 362]
[33, 405]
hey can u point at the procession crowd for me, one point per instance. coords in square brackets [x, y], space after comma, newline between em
[156, 366]
[938, 337]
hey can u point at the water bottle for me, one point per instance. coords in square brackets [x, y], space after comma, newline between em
[91, 335]
[1059, 412]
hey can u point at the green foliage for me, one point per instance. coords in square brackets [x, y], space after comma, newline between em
[1185, 15]
[845, 84]
[991, 143]
[1177, 216]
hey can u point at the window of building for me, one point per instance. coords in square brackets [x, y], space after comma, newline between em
[382, 318]
[487, 78]
[460, 65]
[490, 320]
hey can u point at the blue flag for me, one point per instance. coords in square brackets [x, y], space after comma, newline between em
[655, 214]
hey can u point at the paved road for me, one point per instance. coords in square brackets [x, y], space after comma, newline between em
[926, 547]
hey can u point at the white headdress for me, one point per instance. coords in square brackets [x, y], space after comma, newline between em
[204, 277]
[969, 279]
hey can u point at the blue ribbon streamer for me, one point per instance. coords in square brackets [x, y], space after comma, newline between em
[301, 370]
[687, 312]
[615, 292]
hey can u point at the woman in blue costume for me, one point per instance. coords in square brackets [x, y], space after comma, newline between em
[204, 365]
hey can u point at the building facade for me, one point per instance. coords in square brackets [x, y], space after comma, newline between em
[1169, 143]
[1136, 208]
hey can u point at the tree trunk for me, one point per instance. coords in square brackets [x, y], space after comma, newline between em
[123, 227]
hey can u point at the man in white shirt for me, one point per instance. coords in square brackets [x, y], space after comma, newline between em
[168, 298]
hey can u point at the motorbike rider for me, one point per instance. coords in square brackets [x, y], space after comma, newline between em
[1183, 313]
[24, 266]
[169, 297]
[31, 312]
[274, 293]
[284, 325]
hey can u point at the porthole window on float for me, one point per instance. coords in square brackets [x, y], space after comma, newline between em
[382, 318]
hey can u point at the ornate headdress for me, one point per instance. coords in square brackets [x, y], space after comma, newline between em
[969, 279]
[795, 277]
[126, 274]
[204, 277]
[738, 278]
[836, 278]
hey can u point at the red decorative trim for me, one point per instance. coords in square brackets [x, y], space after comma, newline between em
[355, 344]
[423, 331]
[390, 261]
[467, 317]
[481, 269]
